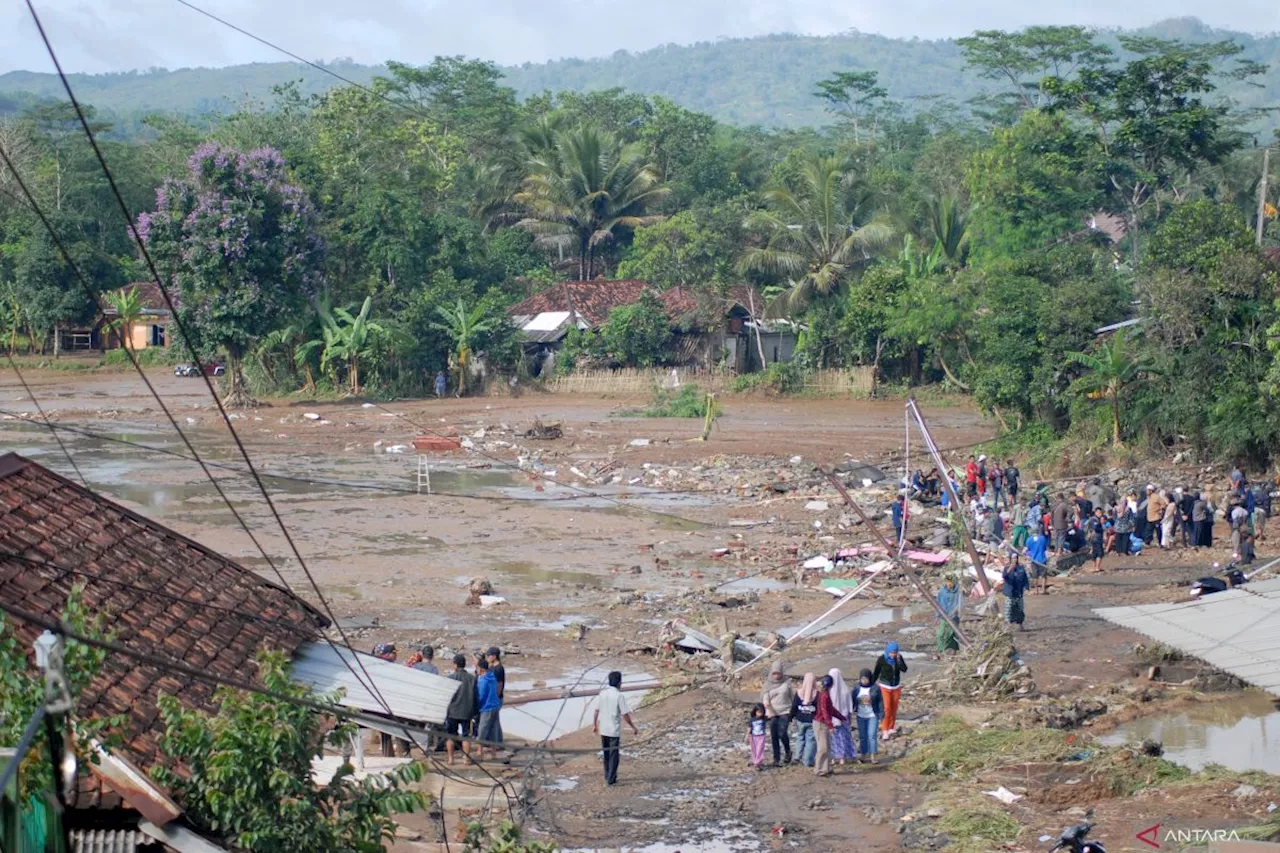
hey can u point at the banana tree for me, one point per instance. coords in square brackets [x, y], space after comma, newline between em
[347, 339]
[464, 326]
[1113, 372]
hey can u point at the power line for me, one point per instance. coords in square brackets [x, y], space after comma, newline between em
[45, 417]
[170, 665]
[317, 66]
[189, 340]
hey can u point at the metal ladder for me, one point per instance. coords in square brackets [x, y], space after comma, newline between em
[424, 474]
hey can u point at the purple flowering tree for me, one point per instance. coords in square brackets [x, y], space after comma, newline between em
[241, 244]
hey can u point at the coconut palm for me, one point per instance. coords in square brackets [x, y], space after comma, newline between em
[464, 326]
[813, 235]
[1113, 372]
[127, 303]
[587, 187]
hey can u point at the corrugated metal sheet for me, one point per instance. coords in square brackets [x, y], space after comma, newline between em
[1237, 631]
[106, 840]
[411, 693]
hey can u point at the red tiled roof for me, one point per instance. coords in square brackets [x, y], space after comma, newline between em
[593, 300]
[682, 301]
[152, 298]
[45, 517]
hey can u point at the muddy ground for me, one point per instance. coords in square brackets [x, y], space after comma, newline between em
[598, 531]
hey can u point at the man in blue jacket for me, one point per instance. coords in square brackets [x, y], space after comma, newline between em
[490, 706]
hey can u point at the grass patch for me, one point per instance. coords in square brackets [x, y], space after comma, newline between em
[690, 402]
[956, 749]
[149, 357]
[1127, 774]
[977, 829]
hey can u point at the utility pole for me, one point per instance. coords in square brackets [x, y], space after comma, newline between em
[1262, 195]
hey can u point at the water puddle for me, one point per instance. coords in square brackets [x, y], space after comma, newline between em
[862, 620]
[1241, 734]
[725, 837]
[757, 584]
[538, 574]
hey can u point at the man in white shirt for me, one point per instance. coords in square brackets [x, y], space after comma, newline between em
[611, 711]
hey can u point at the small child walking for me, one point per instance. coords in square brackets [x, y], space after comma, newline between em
[757, 736]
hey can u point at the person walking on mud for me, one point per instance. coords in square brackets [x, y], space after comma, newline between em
[949, 600]
[868, 699]
[825, 721]
[887, 673]
[778, 697]
[611, 712]
[757, 736]
[1014, 589]
[842, 748]
[804, 710]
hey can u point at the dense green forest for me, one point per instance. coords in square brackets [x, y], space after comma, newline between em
[360, 239]
[765, 81]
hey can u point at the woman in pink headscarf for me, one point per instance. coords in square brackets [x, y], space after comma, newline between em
[842, 748]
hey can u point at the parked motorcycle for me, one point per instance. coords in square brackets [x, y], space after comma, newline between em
[1074, 840]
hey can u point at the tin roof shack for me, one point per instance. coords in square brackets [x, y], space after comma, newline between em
[170, 597]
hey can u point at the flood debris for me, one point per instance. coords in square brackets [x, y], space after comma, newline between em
[987, 668]
[543, 432]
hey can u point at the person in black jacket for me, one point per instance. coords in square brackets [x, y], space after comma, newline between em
[887, 673]
[868, 710]
[462, 707]
[1186, 504]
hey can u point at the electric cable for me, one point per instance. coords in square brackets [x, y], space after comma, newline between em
[45, 417]
[189, 340]
[94, 298]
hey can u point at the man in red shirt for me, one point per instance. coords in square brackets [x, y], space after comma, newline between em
[971, 476]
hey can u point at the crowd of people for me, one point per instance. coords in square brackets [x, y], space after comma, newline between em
[473, 724]
[825, 712]
[1094, 519]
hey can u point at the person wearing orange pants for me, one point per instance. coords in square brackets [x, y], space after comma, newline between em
[888, 674]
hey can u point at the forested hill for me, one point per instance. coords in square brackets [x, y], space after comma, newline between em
[767, 80]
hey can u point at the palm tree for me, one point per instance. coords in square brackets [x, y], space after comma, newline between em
[345, 339]
[463, 326]
[1113, 372]
[812, 234]
[948, 225]
[127, 303]
[584, 189]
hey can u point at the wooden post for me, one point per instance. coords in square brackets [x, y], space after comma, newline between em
[898, 561]
[951, 494]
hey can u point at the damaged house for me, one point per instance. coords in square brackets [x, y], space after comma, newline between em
[167, 596]
[708, 329]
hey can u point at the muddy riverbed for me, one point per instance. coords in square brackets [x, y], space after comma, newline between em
[593, 542]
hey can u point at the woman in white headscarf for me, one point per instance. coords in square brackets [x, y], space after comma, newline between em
[842, 748]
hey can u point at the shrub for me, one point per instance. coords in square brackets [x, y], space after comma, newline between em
[690, 402]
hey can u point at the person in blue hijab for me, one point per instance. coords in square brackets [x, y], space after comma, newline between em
[888, 674]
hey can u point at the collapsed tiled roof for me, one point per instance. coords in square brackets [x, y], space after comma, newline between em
[143, 567]
[593, 300]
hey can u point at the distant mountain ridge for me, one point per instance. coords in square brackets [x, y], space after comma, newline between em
[767, 80]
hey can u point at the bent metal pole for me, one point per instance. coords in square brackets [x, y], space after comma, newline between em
[897, 561]
[943, 471]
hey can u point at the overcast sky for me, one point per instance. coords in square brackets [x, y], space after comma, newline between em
[119, 35]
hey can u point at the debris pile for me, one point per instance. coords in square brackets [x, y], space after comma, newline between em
[988, 668]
